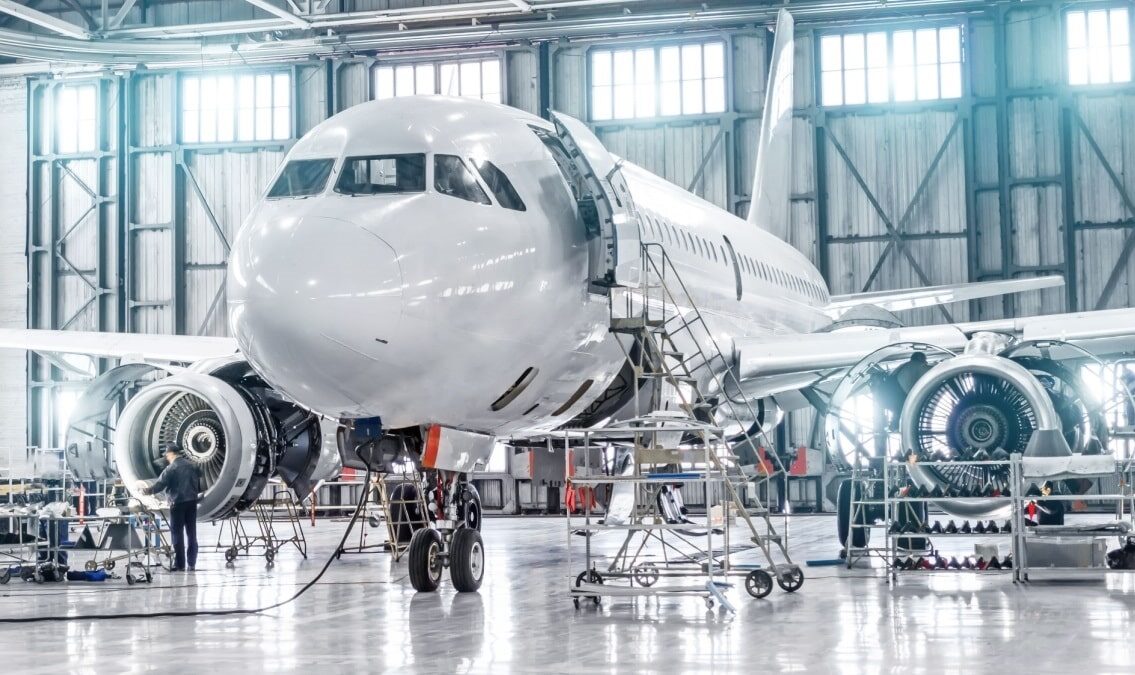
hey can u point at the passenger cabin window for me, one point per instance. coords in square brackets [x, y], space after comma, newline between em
[453, 178]
[500, 185]
[383, 174]
[302, 178]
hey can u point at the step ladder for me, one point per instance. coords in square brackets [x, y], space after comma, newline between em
[671, 346]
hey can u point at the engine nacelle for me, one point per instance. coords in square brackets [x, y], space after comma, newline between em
[237, 431]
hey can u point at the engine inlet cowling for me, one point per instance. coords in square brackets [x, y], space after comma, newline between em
[966, 408]
[215, 426]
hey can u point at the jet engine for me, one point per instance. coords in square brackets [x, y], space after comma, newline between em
[229, 423]
[981, 406]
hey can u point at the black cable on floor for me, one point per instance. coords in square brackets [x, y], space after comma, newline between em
[215, 612]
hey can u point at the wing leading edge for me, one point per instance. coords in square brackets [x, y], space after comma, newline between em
[129, 346]
[914, 298]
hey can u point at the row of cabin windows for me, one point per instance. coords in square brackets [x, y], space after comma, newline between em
[665, 231]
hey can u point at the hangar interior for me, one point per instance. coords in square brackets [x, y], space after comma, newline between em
[933, 144]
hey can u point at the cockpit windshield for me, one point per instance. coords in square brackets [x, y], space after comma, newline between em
[302, 178]
[382, 174]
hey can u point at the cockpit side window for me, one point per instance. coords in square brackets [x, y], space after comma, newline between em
[302, 178]
[500, 185]
[382, 174]
[453, 178]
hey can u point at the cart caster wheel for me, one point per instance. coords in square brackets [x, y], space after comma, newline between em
[709, 603]
[792, 581]
[646, 574]
[149, 577]
[108, 565]
[593, 577]
[597, 600]
[230, 554]
[130, 579]
[270, 557]
[91, 566]
[576, 601]
[758, 583]
[373, 521]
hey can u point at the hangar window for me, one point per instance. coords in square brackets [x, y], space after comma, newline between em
[500, 185]
[1099, 46]
[386, 174]
[453, 178]
[76, 118]
[879, 67]
[302, 178]
[667, 81]
[226, 108]
[471, 78]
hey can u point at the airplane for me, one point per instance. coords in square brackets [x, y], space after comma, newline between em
[428, 276]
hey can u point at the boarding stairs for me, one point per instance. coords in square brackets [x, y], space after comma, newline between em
[670, 345]
[676, 359]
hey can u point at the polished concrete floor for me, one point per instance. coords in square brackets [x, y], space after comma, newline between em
[363, 615]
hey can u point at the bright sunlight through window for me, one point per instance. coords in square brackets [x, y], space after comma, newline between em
[899, 66]
[76, 118]
[226, 108]
[471, 79]
[1099, 46]
[658, 81]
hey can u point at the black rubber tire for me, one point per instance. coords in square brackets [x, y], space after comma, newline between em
[794, 582]
[860, 536]
[758, 584]
[467, 560]
[129, 579]
[426, 545]
[472, 512]
[230, 554]
[646, 574]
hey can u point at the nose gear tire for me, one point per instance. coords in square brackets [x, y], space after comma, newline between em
[467, 560]
[425, 560]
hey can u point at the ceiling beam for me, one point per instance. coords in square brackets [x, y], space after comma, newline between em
[122, 13]
[43, 20]
[280, 12]
[82, 12]
[522, 5]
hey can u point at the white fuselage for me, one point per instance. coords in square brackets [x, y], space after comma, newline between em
[419, 307]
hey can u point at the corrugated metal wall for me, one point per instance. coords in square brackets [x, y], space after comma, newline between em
[13, 268]
[1020, 177]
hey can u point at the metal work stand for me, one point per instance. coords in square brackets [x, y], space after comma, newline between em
[266, 539]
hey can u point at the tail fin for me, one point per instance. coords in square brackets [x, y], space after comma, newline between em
[772, 179]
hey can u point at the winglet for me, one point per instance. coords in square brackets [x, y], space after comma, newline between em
[772, 177]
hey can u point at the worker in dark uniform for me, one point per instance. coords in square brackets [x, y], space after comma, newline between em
[181, 481]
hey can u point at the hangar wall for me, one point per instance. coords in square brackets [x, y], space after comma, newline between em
[13, 267]
[1021, 176]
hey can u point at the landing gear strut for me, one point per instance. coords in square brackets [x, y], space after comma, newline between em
[453, 539]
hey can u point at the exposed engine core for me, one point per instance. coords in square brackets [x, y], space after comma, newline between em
[229, 423]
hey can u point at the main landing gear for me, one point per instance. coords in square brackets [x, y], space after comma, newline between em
[452, 541]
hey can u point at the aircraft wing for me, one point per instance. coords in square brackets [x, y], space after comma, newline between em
[129, 346]
[1103, 333]
[914, 298]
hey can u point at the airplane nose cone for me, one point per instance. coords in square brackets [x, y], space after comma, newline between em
[307, 293]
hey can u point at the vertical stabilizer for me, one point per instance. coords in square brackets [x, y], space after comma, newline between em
[772, 178]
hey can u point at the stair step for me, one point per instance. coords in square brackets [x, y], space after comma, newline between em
[634, 323]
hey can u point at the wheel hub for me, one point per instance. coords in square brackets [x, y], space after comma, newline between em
[477, 560]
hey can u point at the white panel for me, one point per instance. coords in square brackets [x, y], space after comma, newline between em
[13, 269]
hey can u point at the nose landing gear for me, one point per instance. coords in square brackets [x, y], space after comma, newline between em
[461, 550]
